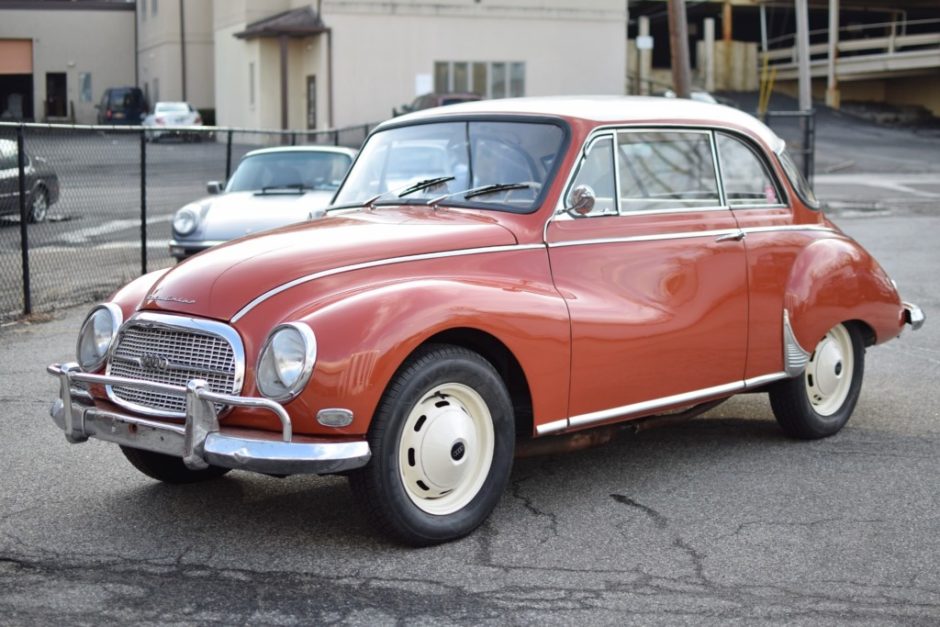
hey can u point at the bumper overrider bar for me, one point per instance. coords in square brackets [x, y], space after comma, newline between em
[913, 315]
[199, 441]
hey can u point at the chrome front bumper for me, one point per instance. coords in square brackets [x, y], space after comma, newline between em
[913, 315]
[199, 441]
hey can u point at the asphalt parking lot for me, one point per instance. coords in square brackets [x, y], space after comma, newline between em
[719, 520]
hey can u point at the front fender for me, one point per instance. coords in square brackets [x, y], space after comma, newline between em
[363, 339]
[835, 280]
[129, 297]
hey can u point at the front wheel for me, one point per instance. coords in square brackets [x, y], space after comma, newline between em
[442, 447]
[819, 402]
[39, 206]
[167, 468]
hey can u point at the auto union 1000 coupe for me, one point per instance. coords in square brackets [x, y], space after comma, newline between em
[489, 276]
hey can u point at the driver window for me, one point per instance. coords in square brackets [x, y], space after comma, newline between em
[663, 171]
[597, 172]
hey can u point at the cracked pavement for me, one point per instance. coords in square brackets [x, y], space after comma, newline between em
[719, 520]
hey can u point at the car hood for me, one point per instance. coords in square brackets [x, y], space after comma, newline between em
[243, 213]
[220, 281]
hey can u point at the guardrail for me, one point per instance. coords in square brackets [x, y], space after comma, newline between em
[870, 49]
[84, 209]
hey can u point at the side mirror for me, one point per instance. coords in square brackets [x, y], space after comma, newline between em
[214, 187]
[581, 200]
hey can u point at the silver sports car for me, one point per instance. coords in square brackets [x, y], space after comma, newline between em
[270, 187]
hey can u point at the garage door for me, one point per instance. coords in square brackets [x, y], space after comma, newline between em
[16, 56]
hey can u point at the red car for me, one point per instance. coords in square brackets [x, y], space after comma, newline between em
[491, 277]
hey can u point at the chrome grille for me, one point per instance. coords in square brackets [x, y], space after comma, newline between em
[172, 351]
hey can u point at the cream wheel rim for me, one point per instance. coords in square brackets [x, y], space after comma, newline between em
[828, 375]
[446, 448]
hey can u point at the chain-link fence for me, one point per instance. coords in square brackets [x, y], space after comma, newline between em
[96, 202]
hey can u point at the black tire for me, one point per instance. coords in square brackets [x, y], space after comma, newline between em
[802, 408]
[38, 206]
[167, 468]
[464, 415]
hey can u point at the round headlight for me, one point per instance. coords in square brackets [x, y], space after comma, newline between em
[97, 334]
[286, 361]
[187, 219]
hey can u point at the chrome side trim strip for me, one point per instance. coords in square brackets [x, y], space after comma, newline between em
[373, 264]
[691, 234]
[789, 227]
[646, 238]
[552, 427]
[756, 382]
[795, 357]
[637, 408]
[645, 406]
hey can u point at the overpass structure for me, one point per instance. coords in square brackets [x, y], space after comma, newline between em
[864, 52]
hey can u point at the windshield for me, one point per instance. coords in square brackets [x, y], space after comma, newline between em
[172, 107]
[397, 165]
[797, 180]
[289, 169]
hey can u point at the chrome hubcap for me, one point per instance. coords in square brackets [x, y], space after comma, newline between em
[446, 448]
[828, 375]
[39, 206]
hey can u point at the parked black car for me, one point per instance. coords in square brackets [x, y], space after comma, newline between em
[42, 184]
[122, 105]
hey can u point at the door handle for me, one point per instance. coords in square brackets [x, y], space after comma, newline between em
[737, 237]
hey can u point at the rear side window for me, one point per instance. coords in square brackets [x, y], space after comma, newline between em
[747, 180]
[797, 181]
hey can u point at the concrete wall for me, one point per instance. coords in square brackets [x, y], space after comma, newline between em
[100, 43]
[923, 90]
[159, 51]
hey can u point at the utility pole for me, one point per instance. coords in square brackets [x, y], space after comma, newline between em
[679, 47]
[802, 45]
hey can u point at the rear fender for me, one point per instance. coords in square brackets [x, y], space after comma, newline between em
[835, 280]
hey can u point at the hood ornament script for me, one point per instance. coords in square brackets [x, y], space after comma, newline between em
[174, 299]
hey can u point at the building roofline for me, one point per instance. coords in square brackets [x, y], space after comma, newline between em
[67, 5]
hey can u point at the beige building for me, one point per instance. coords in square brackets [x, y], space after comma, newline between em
[175, 51]
[57, 58]
[349, 62]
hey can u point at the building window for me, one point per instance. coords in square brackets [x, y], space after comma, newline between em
[153, 7]
[491, 80]
[251, 83]
[143, 10]
[84, 86]
[156, 90]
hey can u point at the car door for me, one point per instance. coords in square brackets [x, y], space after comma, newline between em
[654, 276]
[9, 176]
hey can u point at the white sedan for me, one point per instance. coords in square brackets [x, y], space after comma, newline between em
[173, 119]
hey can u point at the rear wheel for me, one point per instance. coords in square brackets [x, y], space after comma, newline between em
[819, 402]
[38, 206]
[442, 447]
[167, 468]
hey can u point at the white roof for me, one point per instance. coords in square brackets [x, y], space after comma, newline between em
[608, 110]
[305, 148]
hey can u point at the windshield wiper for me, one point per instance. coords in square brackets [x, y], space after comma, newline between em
[410, 188]
[495, 187]
[297, 188]
[480, 191]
